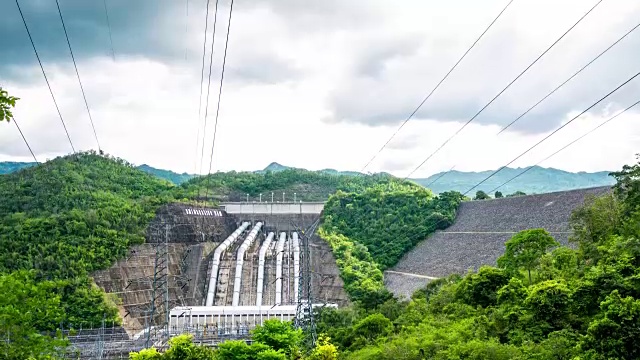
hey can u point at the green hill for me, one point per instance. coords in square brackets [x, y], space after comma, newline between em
[7, 167]
[536, 181]
[63, 219]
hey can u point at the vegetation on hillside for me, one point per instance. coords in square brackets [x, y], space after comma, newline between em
[371, 230]
[542, 301]
[62, 220]
[307, 185]
[7, 103]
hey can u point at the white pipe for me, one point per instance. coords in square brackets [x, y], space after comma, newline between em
[279, 251]
[296, 265]
[240, 261]
[261, 260]
[215, 263]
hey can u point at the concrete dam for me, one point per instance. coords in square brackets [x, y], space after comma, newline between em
[221, 271]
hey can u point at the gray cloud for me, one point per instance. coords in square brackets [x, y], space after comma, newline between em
[390, 96]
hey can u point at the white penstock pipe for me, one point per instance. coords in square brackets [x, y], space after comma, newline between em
[248, 241]
[296, 265]
[261, 259]
[279, 251]
[215, 263]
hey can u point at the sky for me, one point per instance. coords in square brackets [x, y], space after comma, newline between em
[323, 83]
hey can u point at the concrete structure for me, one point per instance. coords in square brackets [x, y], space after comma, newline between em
[247, 208]
[296, 265]
[478, 235]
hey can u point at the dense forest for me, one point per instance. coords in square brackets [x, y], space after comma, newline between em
[307, 185]
[59, 222]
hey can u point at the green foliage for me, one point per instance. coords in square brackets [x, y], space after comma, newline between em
[389, 219]
[481, 195]
[7, 102]
[69, 217]
[576, 304]
[525, 249]
[25, 306]
[517, 193]
[308, 185]
[280, 336]
[498, 195]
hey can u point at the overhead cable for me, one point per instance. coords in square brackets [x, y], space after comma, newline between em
[66, 35]
[503, 90]
[566, 146]
[215, 127]
[25, 141]
[566, 81]
[204, 53]
[206, 108]
[437, 86]
[64, 126]
[106, 14]
[555, 131]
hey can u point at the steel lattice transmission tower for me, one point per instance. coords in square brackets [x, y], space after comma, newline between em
[304, 312]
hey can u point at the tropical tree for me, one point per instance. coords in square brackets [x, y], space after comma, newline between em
[481, 195]
[7, 102]
[524, 250]
[498, 195]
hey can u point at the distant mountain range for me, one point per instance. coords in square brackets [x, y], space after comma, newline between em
[535, 181]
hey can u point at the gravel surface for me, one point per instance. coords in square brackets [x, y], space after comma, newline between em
[478, 235]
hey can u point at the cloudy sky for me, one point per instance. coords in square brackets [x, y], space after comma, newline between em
[323, 83]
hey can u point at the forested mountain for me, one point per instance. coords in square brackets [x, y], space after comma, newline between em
[60, 221]
[538, 180]
[7, 167]
[307, 185]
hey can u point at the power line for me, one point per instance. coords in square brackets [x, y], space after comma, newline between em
[552, 133]
[25, 141]
[45, 77]
[566, 146]
[106, 14]
[206, 109]
[436, 87]
[503, 90]
[566, 81]
[86, 104]
[439, 177]
[204, 52]
[215, 127]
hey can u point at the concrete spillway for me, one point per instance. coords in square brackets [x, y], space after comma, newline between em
[237, 284]
[215, 263]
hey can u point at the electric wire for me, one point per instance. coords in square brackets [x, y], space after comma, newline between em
[565, 82]
[206, 109]
[25, 141]
[552, 133]
[566, 146]
[505, 89]
[215, 127]
[204, 53]
[106, 14]
[437, 86]
[66, 35]
[45, 77]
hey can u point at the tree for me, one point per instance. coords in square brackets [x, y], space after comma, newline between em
[517, 193]
[324, 350]
[278, 335]
[6, 103]
[524, 250]
[481, 195]
[498, 195]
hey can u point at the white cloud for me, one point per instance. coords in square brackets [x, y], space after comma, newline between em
[294, 75]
